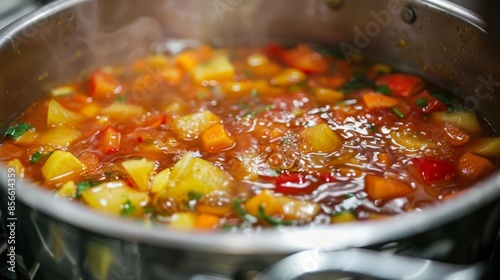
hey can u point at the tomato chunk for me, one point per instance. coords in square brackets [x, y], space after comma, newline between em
[111, 140]
[402, 84]
[305, 59]
[433, 171]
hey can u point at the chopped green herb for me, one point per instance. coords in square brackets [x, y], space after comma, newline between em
[121, 99]
[358, 82]
[83, 186]
[273, 221]
[36, 157]
[249, 73]
[17, 130]
[451, 104]
[243, 105]
[238, 209]
[201, 95]
[349, 195]
[422, 102]
[193, 195]
[294, 88]
[384, 89]
[372, 127]
[127, 208]
[147, 210]
[397, 112]
[254, 93]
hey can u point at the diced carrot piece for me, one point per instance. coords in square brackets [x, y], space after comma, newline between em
[111, 140]
[380, 188]
[206, 222]
[383, 158]
[474, 166]
[270, 205]
[103, 85]
[219, 211]
[190, 58]
[377, 100]
[216, 138]
[402, 84]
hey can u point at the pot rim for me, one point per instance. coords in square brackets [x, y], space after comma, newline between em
[270, 240]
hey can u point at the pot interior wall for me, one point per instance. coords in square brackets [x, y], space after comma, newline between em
[448, 49]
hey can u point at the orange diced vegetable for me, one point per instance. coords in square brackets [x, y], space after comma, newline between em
[192, 126]
[377, 100]
[219, 211]
[216, 138]
[321, 138]
[383, 158]
[206, 222]
[288, 77]
[111, 140]
[190, 58]
[474, 166]
[305, 59]
[103, 85]
[269, 203]
[381, 188]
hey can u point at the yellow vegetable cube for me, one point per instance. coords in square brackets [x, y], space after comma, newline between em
[160, 181]
[183, 221]
[59, 164]
[121, 111]
[326, 96]
[68, 190]
[321, 138]
[27, 138]
[488, 147]
[57, 114]
[115, 197]
[288, 77]
[218, 69]
[465, 120]
[59, 136]
[192, 174]
[191, 126]
[140, 170]
[343, 217]
[412, 140]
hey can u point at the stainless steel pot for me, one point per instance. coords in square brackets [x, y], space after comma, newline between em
[432, 38]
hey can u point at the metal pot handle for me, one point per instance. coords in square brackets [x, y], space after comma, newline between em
[362, 262]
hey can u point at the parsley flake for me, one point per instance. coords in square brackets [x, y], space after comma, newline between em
[17, 130]
[83, 186]
[36, 157]
[128, 208]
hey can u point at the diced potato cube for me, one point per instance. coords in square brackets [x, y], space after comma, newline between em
[191, 126]
[237, 89]
[321, 138]
[140, 170]
[17, 165]
[28, 137]
[160, 181]
[192, 174]
[111, 197]
[270, 204]
[488, 147]
[122, 111]
[288, 77]
[57, 114]
[58, 136]
[183, 221]
[465, 120]
[90, 110]
[326, 96]
[294, 209]
[68, 190]
[218, 69]
[59, 164]
[412, 140]
[264, 89]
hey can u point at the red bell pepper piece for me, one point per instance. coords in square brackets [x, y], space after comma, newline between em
[426, 103]
[305, 59]
[433, 171]
[111, 140]
[401, 84]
